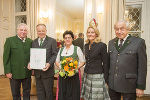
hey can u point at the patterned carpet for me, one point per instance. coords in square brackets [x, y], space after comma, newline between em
[5, 92]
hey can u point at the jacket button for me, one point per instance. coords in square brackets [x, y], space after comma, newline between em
[116, 67]
[116, 75]
[118, 54]
[117, 61]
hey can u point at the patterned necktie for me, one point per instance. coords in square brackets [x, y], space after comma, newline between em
[41, 42]
[121, 43]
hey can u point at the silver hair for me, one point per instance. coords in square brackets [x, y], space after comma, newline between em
[41, 25]
[22, 24]
[123, 21]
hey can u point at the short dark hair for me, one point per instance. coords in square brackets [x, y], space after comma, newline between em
[68, 32]
[80, 34]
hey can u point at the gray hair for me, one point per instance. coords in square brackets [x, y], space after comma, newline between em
[22, 24]
[41, 25]
[123, 21]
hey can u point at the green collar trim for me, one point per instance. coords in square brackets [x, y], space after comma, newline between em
[126, 43]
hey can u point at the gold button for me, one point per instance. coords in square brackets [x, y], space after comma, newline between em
[118, 54]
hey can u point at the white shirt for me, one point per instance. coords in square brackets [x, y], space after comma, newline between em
[123, 40]
[24, 39]
[69, 52]
[39, 40]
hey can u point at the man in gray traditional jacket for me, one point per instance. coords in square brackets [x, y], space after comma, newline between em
[128, 64]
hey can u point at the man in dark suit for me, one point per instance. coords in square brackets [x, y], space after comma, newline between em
[128, 64]
[79, 41]
[16, 58]
[45, 77]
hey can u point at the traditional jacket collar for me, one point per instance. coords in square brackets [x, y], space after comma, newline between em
[126, 43]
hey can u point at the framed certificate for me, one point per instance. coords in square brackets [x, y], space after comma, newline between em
[37, 58]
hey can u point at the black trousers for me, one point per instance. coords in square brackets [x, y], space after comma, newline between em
[44, 88]
[117, 95]
[16, 85]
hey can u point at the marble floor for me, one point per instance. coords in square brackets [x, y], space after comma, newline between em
[5, 92]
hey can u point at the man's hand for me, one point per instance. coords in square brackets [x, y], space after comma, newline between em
[139, 92]
[9, 75]
[29, 66]
[46, 67]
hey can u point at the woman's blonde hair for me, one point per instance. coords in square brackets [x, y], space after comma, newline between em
[97, 39]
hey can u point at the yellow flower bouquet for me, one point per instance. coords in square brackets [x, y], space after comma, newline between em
[69, 67]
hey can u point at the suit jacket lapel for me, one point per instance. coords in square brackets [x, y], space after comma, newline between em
[45, 42]
[37, 43]
[116, 44]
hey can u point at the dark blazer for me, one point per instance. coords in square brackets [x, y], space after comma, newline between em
[79, 42]
[128, 66]
[16, 57]
[51, 53]
[96, 59]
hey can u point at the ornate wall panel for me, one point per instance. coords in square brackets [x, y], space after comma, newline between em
[5, 26]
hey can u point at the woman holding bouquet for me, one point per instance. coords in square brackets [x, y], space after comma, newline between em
[96, 68]
[69, 60]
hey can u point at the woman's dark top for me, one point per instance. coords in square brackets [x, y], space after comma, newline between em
[96, 59]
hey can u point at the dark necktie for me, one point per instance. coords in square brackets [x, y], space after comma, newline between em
[41, 42]
[121, 43]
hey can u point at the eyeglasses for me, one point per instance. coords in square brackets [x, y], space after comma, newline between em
[23, 30]
[68, 38]
[121, 29]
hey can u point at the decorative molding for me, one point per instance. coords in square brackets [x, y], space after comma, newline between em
[5, 19]
[5, 12]
[21, 13]
[134, 1]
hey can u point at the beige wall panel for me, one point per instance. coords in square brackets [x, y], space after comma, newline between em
[5, 23]
[6, 8]
[0, 9]
[62, 24]
[78, 26]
